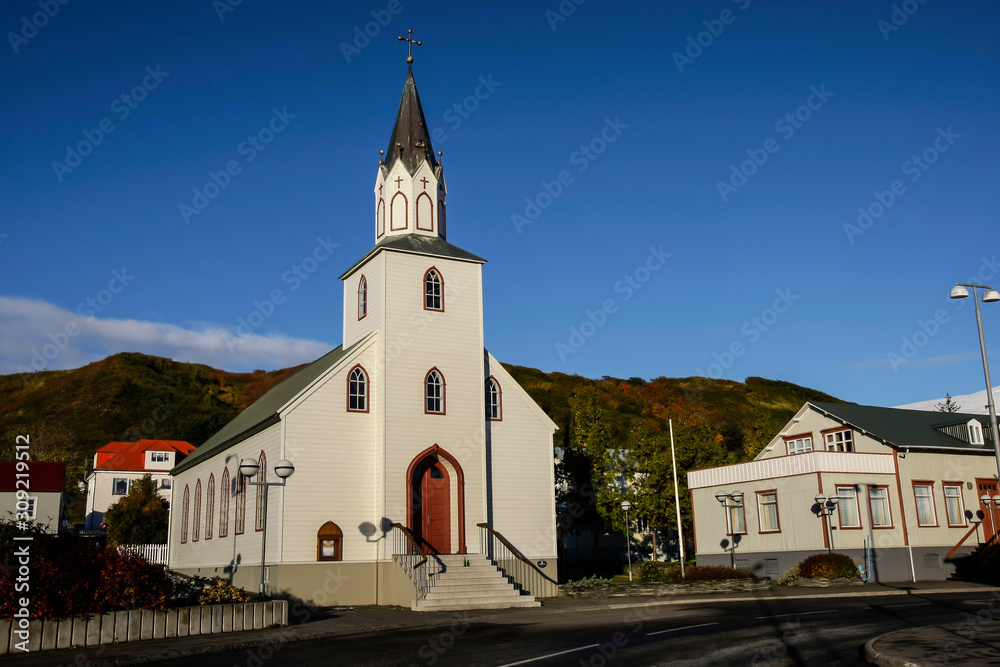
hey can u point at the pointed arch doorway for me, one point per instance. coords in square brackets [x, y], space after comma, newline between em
[435, 500]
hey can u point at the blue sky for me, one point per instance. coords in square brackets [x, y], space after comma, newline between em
[739, 137]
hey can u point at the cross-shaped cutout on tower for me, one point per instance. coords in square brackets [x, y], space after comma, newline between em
[399, 179]
[380, 188]
[424, 181]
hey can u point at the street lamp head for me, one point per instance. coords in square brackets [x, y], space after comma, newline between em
[990, 296]
[959, 292]
[985, 498]
[626, 506]
[721, 496]
[249, 467]
[834, 499]
[820, 499]
[738, 497]
[996, 500]
[284, 468]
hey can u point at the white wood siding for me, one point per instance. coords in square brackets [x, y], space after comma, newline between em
[786, 466]
[355, 329]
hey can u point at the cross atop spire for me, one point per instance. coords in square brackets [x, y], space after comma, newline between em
[409, 46]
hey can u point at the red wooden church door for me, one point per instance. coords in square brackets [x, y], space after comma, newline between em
[435, 508]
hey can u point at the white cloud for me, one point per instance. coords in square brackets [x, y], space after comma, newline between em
[38, 335]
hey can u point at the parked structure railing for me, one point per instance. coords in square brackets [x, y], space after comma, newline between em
[406, 551]
[153, 553]
[520, 572]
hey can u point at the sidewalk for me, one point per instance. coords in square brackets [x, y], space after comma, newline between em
[336, 622]
[967, 644]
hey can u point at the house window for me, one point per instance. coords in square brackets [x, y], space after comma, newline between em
[261, 494]
[184, 514]
[362, 298]
[767, 511]
[119, 487]
[196, 528]
[29, 511]
[433, 290]
[923, 492]
[159, 457]
[800, 444]
[165, 483]
[329, 542]
[241, 503]
[847, 508]
[975, 432]
[878, 496]
[434, 385]
[224, 504]
[357, 390]
[954, 504]
[210, 507]
[493, 410]
[840, 441]
[736, 519]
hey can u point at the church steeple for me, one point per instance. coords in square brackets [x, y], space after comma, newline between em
[410, 189]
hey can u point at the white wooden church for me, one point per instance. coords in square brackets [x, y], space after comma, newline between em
[409, 441]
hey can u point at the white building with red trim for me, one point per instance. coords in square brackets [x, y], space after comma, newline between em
[410, 441]
[32, 491]
[118, 464]
[906, 482]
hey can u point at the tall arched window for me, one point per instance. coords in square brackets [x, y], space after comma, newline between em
[196, 526]
[362, 298]
[357, 390]
[184, 514]
[494, 410]
[224, 503]
[261, 491]
[433, 290]
[210, 507]
[434, 392]
[241, 503]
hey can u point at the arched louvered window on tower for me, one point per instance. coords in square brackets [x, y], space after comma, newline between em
[362, 298]
[433, 290]
[357, 390]
[434, 392]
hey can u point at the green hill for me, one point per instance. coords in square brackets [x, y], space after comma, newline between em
[128, 396]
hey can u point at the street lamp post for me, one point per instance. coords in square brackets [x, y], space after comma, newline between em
[626, 505]
[826, 507]
[737, 502]
[249, 468]
[959, 291]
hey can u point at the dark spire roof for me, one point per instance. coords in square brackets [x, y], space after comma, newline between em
[410, 140]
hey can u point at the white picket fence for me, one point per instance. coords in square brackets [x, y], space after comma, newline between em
[154, 553]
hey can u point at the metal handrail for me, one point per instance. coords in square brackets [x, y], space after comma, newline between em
[526, 578]
[410, 555]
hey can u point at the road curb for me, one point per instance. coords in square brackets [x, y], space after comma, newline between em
[876, 657]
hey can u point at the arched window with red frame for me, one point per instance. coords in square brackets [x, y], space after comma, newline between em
[362, 298]
[210, 507]
[261, 491]
[433, 290]
[434, 388]
[185, 505]
[226, 492]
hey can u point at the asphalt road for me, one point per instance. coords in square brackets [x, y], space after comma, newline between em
[825, 631]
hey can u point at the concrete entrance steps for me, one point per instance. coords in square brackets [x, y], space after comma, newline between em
[478, 585]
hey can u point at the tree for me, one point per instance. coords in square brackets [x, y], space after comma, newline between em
[948, 405]
[140, 517]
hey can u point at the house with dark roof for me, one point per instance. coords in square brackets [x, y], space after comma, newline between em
[842, 477]
[32, 491]
[418, 460]
[118, 464]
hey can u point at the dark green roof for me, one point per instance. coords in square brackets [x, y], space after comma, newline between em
[908, 428]
[264, 411]
[418, 244]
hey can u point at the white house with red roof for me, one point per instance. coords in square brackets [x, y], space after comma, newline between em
[42, 482]
[118, 464]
